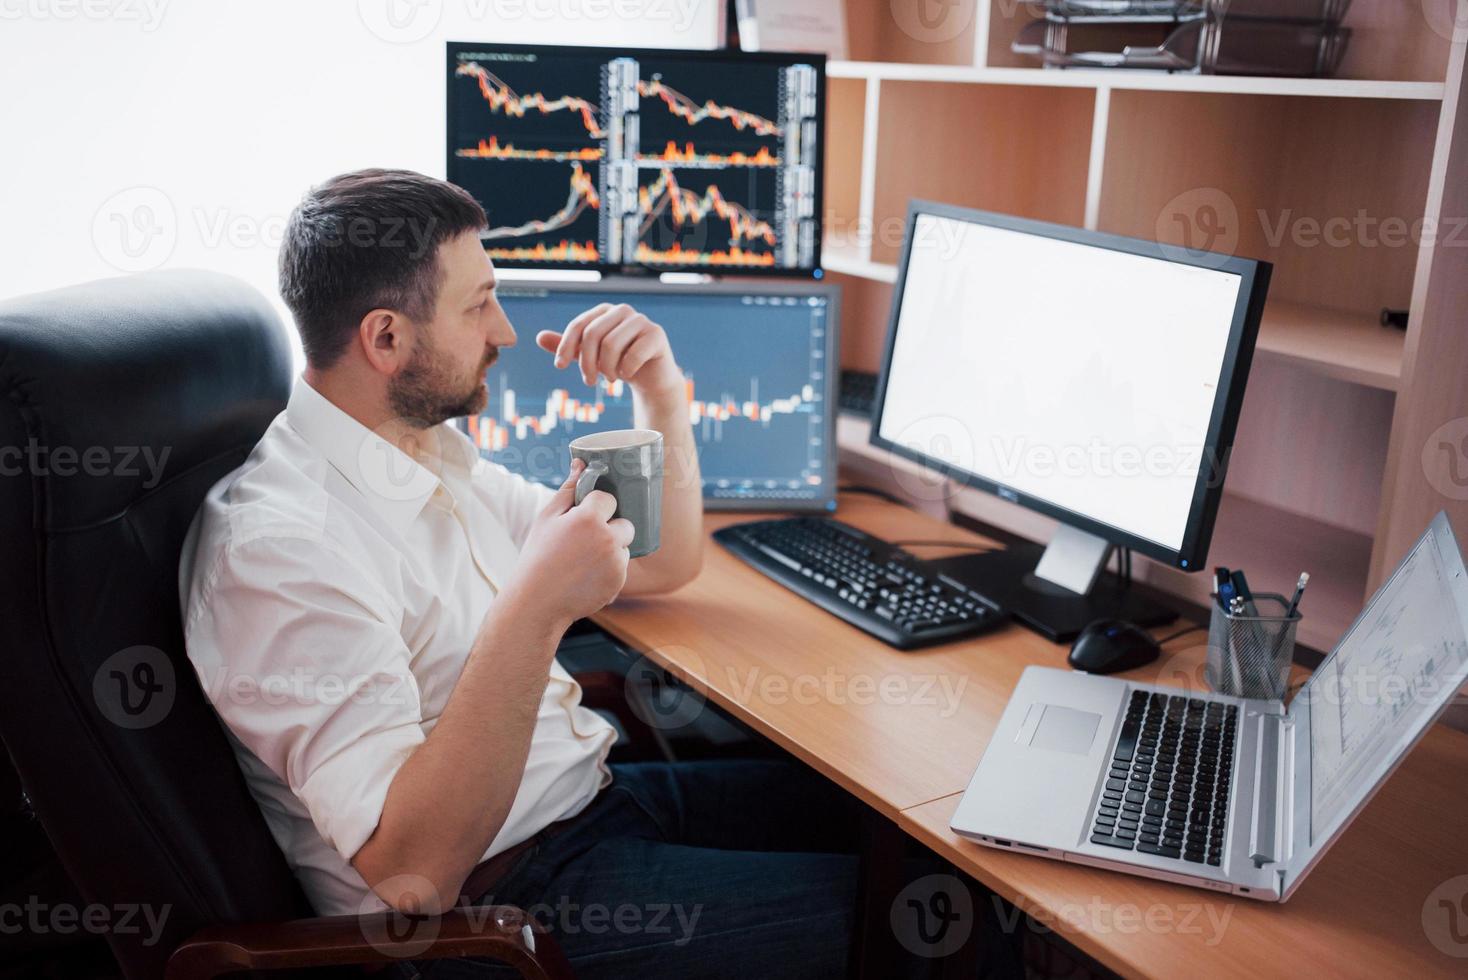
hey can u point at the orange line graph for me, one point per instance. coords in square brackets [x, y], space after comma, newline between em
[671, 154]
[688, 207]
[491, 149]
[678, 255]
[502, 98]
[582, 196]
[691, 112]
[565, 251]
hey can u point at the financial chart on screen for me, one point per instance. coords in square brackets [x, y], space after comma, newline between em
[755, 383]
[610, 158]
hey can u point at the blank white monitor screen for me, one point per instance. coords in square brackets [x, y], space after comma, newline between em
[1078, 375]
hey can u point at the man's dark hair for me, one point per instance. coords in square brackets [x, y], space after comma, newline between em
[363, 241]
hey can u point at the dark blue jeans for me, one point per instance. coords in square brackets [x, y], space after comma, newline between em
[737, 868]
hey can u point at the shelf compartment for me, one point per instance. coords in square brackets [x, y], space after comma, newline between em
[1328, 190]
[905, 31]
[1352, 347]
[1141, 81]
[1010, 149]
[1272, 544]
[1391, 40]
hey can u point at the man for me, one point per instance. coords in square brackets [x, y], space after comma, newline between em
[374, 612]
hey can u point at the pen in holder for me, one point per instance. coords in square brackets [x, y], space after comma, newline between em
[1249, 656]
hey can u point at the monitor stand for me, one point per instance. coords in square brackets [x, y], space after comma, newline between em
[1009, 577]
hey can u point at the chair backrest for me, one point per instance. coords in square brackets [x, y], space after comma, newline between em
[121, 402]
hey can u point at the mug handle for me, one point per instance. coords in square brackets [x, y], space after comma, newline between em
[586, 482]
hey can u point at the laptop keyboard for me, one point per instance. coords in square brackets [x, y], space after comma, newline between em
[1168, 786]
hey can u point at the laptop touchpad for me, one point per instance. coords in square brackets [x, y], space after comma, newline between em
[1061, 729]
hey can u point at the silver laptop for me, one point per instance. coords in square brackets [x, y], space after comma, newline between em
[1235, 795]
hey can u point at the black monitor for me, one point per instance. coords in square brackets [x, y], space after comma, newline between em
[641, 160]
[755, 358]
[1090, 377]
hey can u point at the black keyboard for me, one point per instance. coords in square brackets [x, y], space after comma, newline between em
[1168, 787]
[869, 583]
[858, 392]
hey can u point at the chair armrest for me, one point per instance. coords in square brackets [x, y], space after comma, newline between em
[501, 932]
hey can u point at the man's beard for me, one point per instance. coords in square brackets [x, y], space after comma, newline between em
[427, 392]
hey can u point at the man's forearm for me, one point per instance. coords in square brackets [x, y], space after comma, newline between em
[452, 796]
[681, 553]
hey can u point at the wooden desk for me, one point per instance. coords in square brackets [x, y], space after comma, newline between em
[904, 731]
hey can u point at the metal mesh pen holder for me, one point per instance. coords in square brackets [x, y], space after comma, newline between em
[1250, 656]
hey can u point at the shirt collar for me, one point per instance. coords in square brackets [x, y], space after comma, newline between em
[396, 485]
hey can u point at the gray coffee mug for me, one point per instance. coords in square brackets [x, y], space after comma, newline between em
[628, 464]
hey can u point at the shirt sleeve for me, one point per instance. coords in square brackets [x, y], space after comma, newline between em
[298, 650]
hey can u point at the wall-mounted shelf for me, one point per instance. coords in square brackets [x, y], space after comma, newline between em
[1346, 346]
[1350, 186]
[1343, 88]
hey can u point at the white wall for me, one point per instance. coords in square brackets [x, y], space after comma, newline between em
[139, 134]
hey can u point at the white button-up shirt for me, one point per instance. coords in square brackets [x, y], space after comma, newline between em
[332, 588]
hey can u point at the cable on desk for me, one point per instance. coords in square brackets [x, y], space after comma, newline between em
[870, 491]
[1182, 632]
[934, 543]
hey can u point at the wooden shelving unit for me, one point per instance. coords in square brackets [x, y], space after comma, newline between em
[1339, 182]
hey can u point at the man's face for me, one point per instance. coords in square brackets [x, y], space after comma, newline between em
[444, 376]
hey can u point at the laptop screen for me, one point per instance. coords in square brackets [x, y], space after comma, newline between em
[1387, 679]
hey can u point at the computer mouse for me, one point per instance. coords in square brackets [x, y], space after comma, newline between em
[1108, 646]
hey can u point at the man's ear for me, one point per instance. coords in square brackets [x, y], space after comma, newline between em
[384, 339]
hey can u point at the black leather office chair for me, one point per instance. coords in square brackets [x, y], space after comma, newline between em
[125, 399]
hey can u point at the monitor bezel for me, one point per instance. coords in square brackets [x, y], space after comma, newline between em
[1238, 356]
[826, 503]
[815, 272]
